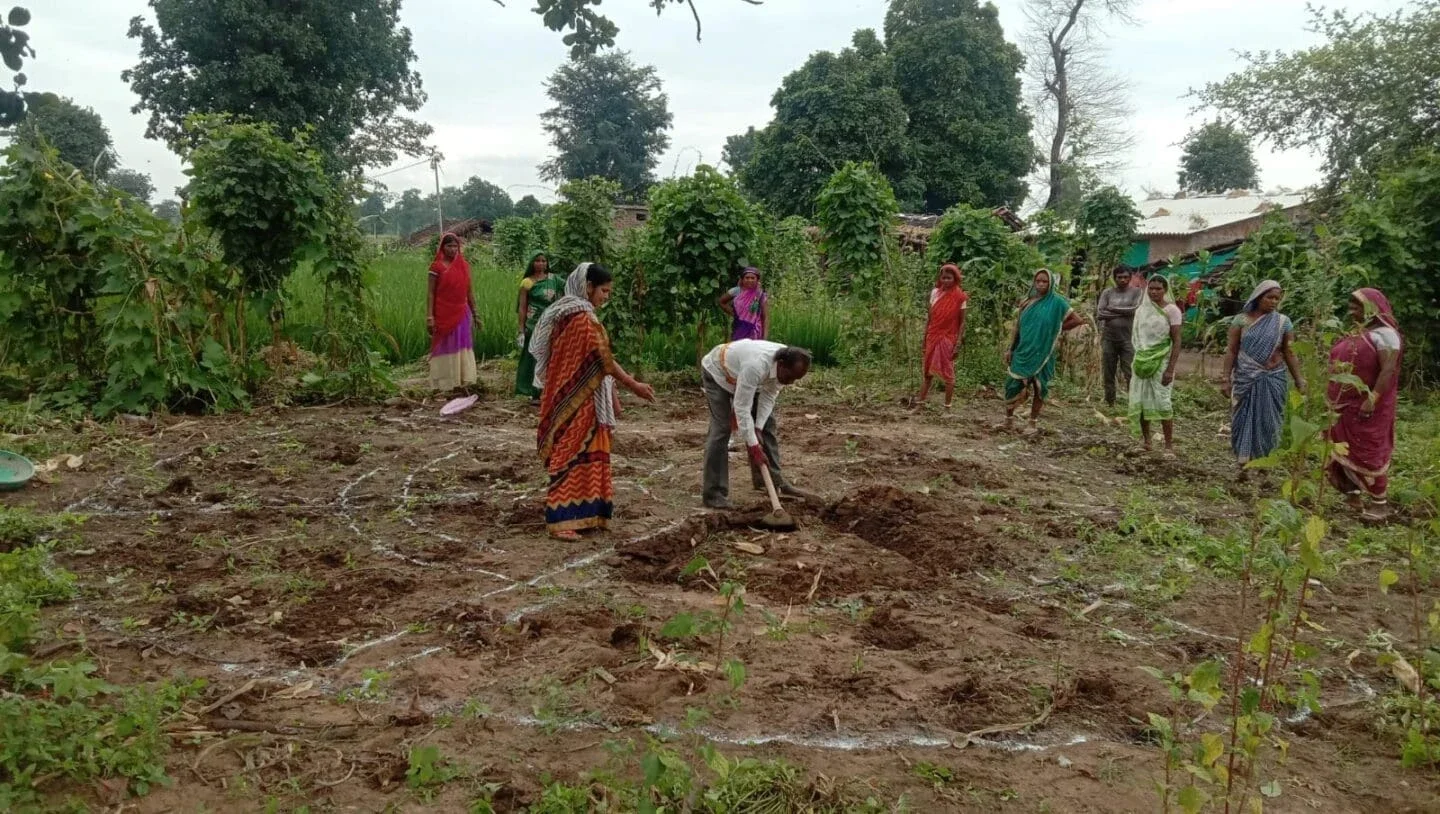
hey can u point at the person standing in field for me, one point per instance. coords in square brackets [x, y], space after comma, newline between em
[1258, 355]
[538, 290]
[1366, 423]
[578, 405]
[1116, 315]
[451, 318]
[944, 332]
[742, 381]
[748, 306]
[1030, 361]
[1156, 338]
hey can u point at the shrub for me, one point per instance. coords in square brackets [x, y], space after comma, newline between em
[582, 223]
[856, 213]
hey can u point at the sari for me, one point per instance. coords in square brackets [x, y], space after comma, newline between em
[748, 303]
[452, 354]
[542, 295]
[1150, 398]
[577, 410]
[1369, 442]
[942, 331]
[1032, 361]
[1258, 392]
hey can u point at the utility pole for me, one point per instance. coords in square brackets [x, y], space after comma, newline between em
[439, 207]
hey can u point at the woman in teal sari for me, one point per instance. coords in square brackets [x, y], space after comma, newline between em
[538, 290]
[1030, 361]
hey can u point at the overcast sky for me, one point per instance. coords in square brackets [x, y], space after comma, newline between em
[484, 66]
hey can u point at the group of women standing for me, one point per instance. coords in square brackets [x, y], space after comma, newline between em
[567, 369]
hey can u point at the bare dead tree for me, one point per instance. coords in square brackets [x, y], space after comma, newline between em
[1081, 106]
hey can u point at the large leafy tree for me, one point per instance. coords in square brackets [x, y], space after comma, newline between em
[836, 108]
[738, 149]
[960, 80]
[133, 183]
[1218, 158]
[481, 199]
[339, 66]
[1364, 95]
[528, 207]
[609, 120]
[76, 132]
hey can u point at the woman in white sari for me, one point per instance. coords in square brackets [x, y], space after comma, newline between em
[1155, 334]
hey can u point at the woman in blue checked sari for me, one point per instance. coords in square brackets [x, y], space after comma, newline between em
[1259, 363]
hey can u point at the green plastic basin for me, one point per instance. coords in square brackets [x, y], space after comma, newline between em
[15, 471]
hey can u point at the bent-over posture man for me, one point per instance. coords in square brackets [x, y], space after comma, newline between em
[742, 381]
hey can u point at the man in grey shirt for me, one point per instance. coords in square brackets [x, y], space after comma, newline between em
[1116, 314]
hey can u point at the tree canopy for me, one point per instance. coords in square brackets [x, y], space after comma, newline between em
[481, 199]
[836, 108]
[610, 120]
[960, 82]
[1365, 94]
[78, 133]
[590, 31]
[528, 207]
[1218, 158]
[738, 149]
[133, 183]
[340, 67]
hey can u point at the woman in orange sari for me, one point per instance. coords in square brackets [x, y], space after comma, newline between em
[944, 332]
[451, 318]
[578, 404]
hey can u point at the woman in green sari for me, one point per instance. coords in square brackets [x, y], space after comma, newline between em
[1155, 335]
[1030, 361]
[538, 290]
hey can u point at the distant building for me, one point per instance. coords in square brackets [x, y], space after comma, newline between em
[630, 216]
[1178, 227]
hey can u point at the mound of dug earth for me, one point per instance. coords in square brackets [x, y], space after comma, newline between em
[929, 533]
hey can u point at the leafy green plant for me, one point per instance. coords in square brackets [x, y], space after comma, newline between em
[428, 768]
[516, 239]
[1107, 228]
[582, 223]
[856, 215]
[1413, 711]
[702, 233]
[686, 625]
[28, 581]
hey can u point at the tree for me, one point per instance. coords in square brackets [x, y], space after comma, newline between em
[1081, 106]
[481, 199]
[371, 213]
[78, 133]
[960, 81]
[609, 121]
[856, 214]
[134, 183]
[738, 150]
[1218, 158]
[14, 48]
[528, 207]
[836, 108]
[582, 222]
[1364, 96]
[168, 209]
[338, 66]
[410, 213]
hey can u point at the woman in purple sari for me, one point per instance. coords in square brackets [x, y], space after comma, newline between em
[1366, 424]
[748, 306]
[1257, 359]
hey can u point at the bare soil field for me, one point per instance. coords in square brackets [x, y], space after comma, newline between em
[354, 582]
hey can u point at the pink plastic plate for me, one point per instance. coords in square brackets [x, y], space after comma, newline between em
[459, 405]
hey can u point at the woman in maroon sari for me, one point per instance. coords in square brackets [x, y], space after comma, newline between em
[1366, 426]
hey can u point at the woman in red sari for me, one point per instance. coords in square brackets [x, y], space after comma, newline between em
[944, 332]
[578, 404]
[451, 318]
[1366, 426]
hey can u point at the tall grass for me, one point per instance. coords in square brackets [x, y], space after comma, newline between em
[398, 286]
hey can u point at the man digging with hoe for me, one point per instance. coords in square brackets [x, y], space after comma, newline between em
[742, 380]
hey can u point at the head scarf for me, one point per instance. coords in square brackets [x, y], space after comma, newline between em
[1041, 321]
[950, 267]
[574, 300]
[1377, 306]
[1253, 304]
[747, 305]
